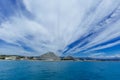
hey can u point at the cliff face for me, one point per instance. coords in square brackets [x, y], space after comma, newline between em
[50, 56]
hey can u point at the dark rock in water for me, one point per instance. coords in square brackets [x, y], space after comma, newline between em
[50, 56]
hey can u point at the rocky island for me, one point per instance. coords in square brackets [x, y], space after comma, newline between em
[50, 56]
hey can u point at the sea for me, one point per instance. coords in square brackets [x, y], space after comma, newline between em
[62, 70]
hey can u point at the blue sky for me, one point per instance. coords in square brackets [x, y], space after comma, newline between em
[78, 27]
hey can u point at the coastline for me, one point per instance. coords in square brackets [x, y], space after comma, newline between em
[51, 57]
[59, 61]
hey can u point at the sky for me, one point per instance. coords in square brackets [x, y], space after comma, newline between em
[65, 27]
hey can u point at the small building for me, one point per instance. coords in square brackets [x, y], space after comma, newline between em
[10, 58]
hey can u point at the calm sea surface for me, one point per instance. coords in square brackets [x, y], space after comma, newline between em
[37, 70]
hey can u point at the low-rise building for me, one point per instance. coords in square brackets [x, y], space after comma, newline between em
[10, 58]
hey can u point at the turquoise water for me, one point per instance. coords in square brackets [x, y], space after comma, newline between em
[37, 70]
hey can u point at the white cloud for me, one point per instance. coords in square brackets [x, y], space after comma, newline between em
[111, 30]
[104, 55]
[57, 23]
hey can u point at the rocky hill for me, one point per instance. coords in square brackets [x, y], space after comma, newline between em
[50, 56]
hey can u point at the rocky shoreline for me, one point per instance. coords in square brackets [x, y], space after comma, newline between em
[50, 56]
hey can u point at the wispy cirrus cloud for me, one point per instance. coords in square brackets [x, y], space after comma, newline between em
[39, 26]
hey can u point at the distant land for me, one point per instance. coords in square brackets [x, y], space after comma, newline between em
[50, 56]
